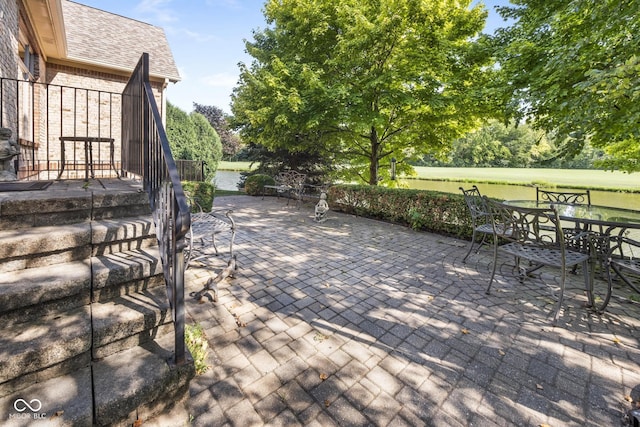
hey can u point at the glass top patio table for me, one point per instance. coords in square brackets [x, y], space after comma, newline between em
[607, 217]
[623, 223]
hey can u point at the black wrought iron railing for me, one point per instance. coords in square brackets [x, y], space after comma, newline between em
[146, 154]
[191, 170]
[40, 115]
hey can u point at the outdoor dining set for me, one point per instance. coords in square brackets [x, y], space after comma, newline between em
[564, 231]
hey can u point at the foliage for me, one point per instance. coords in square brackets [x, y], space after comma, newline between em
[218, 119]
[191, 137]
[573, 68]
[209, 148]
[271, 162]
[180, 132]
[509, 146]
[196, 342]
[254, 184]
[433, 211]
[361, 81]
[202, 192]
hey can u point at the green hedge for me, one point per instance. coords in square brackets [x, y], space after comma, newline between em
[254, 184]
[443, 213]
[200, 191]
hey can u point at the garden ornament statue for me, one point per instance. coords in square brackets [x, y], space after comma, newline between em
[322, 208]
[8, 150]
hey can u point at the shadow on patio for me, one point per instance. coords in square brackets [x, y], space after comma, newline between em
[360, 322]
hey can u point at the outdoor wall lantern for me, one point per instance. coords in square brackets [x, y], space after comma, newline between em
[393, 168]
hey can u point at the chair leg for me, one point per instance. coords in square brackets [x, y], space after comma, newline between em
[188, 248]
[563, 274]
[627, 281]
[213, 239]
[600, 306]
[484, 239]
[233, 236]
[493, 270]
[473, 239]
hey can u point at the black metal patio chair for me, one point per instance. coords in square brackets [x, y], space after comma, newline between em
[480, 217]
[566, 197]
[204, 224]
[535, 235]
[624, 260]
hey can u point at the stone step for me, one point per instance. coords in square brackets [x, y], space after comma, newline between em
[44, 343]
[61, 401]
[87, 331]
[53, 289]
[41, 246]
[22, 211]
[130, 320]
[73, 205]
[138, 384]
[125, 272]
[46, 291]
[123, 234]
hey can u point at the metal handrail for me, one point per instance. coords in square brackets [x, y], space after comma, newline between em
[191, 170]
[146, 153]
[38, 114]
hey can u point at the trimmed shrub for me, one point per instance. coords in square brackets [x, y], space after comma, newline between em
[202, 192]
[433, 211]
[254, 184]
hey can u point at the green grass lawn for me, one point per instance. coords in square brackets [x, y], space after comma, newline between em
[574, 178]
[235, 166]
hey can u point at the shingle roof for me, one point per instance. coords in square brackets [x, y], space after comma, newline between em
[103, 38]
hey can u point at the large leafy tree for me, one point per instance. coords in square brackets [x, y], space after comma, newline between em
[218, 119]
[497, 145]
[573, 67]
[509, 146]
[362, 81]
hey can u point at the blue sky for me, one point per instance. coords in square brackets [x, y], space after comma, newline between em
[206, 37]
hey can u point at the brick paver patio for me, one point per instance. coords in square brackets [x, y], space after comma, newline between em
[359, 322]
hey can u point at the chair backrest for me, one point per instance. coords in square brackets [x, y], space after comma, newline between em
[536, 226]
[291, 178]
[565, 197]
[476, 203]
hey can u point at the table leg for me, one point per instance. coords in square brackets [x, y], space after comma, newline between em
[111, 153]
[88, 146]
[62, 159]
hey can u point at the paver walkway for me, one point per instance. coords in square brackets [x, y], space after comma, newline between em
[358, 322]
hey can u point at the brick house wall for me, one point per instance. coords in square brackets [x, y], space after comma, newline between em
[9, 59]
[88, 103]
[57, 98]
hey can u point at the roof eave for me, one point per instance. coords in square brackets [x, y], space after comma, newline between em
[125, 70]
[48, 24]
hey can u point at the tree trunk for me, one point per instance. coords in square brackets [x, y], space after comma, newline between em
[373, 157]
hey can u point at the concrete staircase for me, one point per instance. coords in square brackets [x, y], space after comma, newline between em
[87, 331]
